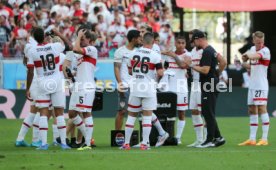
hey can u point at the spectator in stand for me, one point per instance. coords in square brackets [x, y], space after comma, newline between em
[7, 12]
[166, 38]
[92, 17]
[85, 20]
[116, 14]
[68, 29]
[118, 32]
[77, 11]
[136, 7]
[33, 5]
[115, 4]
[84, 5]
[93, 4]
[47, 5]
[61, 9]
[42, 20]
[102, 24]
[5, 35]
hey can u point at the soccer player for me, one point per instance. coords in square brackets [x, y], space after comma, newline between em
[163, 135]
[121, 73]
[142, 66]
[32, 118]
[259, 58]
[195, 98]
[144, 29]
[46, 61]
[177, 81]
[84, 89]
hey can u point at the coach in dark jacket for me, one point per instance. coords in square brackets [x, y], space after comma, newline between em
[209, 80]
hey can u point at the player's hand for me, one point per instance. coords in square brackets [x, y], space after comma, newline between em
[171, 54]
[55, 31]
[188, 61]
[28, 95]
[245, 57]
[81, 33]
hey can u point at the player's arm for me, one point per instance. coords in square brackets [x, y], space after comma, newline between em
[201, 69]
[117, 68]
[206, 63]
[129, 66]
[159, 70]
[66, 64]
[64, 39]
[77, 48]
[179, 62]
[30, 75]
[252, 55]
[222, 62]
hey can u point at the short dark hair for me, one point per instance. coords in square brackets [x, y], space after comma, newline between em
[39, 34]
[155, 35]
[180, 37]
[147, 27]
[92, 36]
[96, 9]
[148, 38]
[133, 34]
[83, 27]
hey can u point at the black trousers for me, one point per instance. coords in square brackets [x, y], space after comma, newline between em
[208, 101]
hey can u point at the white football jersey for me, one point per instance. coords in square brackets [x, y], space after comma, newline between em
[178, 80]
[196, 57]
[156, 48]
[62, 58]
[258, 76]
[72, 57]
[86, 67]
[46, 60]
[144, 62]
[122, 56]
[31, 43]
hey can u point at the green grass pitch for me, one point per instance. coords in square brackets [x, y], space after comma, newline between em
[229, 156]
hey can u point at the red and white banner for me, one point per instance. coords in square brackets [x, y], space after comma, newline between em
[228, 5]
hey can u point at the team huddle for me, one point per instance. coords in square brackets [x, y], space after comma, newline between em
[140, 69]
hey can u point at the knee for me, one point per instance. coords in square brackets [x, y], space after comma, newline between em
[252, 110]
[262, 109]
[121, 113]
[181, 115]
[72, 114]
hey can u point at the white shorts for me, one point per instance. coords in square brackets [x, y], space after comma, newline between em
[182, 101]
[82, 101]
[257, 97]
[34, 92]
[56, 99]
[195, 101]
[137, 104]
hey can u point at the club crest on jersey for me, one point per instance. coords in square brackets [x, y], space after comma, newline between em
[122, 104]
[120, 139]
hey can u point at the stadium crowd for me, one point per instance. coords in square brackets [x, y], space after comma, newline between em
[110, 19]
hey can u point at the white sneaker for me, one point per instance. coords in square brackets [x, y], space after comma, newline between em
[206, 145]
[179, 141]
[195, 144]
[161, 139]
[138, 145]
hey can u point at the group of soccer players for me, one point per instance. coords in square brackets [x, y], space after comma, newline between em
[138, 66]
